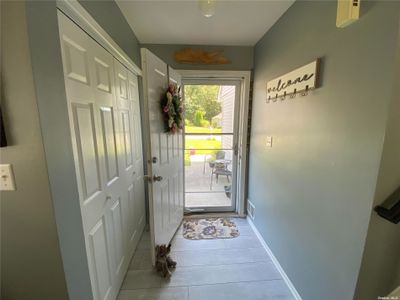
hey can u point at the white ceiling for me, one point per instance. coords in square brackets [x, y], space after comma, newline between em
[239, 23]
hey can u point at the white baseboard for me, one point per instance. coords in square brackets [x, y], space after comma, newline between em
[290, 285]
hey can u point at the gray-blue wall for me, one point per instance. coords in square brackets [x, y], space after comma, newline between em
[240, 56]
[111, 19]
[381, 260]
[31, 265]
[313, 190]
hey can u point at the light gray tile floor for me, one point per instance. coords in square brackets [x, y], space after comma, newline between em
[218, 269]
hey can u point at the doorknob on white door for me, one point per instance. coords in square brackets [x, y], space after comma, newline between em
[157, 178]
[152, 179]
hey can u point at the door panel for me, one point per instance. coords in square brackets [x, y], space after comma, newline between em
[103, 76]
[100, 257]
[109, 140]
[116, 215]
[76, 61]
[127, 143]
[87, 149]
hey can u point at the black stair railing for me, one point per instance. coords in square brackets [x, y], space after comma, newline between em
[390, 208]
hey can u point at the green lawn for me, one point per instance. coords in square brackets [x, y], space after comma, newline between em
[194, 144]
[195, 129]
[197, 145]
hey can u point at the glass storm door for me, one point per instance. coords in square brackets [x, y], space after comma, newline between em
[211, 113]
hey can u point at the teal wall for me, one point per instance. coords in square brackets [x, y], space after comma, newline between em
[381, 260]
[314, 189]
[111, 19]
[31, 264]
[240, 56]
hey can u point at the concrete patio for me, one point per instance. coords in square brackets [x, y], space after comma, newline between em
[199, 192]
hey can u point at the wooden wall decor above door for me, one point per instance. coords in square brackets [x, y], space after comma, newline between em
[201, 57]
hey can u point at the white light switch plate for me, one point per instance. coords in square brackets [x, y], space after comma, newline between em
[6, 178]
[268, 141]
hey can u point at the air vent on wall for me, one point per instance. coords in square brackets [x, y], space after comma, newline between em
[251, 210]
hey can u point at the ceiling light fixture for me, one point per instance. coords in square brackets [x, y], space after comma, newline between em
[207, 7]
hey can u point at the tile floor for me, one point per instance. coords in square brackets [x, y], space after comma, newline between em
[218, 269]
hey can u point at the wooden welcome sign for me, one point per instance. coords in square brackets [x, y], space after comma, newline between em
[302, 79]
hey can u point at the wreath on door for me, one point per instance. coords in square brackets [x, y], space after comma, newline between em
[172, 109]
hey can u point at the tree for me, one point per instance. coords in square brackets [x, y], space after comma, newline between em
[202, 98]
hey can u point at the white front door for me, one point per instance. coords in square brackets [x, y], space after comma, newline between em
[165, 161]
[107, 153]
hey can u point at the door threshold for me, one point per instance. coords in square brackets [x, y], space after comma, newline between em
[200, 215]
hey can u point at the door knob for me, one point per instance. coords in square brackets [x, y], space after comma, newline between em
[157, 178]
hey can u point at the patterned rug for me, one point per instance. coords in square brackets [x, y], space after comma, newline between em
[212, 228]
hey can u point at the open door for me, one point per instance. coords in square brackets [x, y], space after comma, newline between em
[164, 154]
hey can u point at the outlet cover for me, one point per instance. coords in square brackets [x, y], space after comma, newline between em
[6, 178]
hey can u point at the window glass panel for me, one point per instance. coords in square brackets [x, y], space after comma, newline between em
[209, 108]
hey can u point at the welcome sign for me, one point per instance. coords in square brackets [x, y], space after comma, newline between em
[302, 79]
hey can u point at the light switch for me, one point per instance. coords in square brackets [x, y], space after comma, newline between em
[6, 178]
[268, 141]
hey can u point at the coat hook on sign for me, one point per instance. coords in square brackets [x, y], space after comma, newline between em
[305, 92]
[293, 95]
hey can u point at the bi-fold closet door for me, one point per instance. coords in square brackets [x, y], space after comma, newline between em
[104, 112]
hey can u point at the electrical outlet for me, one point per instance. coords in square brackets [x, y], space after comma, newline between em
[6, 178]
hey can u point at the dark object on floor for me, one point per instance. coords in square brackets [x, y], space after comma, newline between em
[227, 189]
[163, 261]
[390, 209]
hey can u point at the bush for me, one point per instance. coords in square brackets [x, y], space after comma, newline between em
[205, 123]
[215, 123]
[198, 117]
[188, 123]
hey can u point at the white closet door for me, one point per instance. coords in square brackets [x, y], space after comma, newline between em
[140, 210]
[101, 170]
[130, 153]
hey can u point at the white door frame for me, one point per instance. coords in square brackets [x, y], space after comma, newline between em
[244, 78]
[83, 19]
